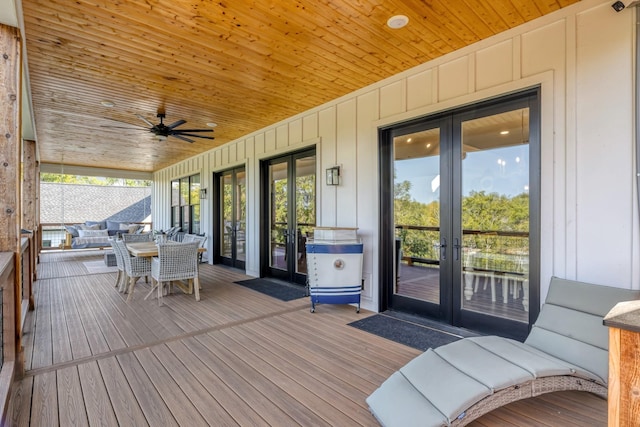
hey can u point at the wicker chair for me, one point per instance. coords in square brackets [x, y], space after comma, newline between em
[134, 267]
[172, 233]
[195, 238]
[175, 261]
[143, 237]
[121, 280]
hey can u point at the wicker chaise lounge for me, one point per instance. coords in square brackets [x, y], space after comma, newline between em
[567, 349]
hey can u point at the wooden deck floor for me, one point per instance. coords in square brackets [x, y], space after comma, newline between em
[237, 357]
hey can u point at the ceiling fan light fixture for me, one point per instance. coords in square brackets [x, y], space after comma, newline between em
[161, 138]
[397, 21]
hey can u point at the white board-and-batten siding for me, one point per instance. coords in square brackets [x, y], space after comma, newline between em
[582, 57]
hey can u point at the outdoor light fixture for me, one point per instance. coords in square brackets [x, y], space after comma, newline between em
[333, 175]
[203, 193]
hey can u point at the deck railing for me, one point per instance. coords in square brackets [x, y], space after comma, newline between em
[492, 250]
[8, 284]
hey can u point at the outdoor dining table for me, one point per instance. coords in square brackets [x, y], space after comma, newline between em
[147, 249]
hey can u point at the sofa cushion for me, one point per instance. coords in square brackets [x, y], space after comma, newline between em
[102, 225]
[89, 227]
[129, 228]
[113, 225]
[93, 233]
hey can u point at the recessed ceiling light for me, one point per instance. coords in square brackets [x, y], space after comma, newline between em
[504, 132]
[397, 21]
[107, 103]
[212, 125]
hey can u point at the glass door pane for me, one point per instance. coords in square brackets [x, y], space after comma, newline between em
[416, 208]
[240, 215]
[305, 196]
[495, 215]
[279, 218]
[226, 214]
[232, 214]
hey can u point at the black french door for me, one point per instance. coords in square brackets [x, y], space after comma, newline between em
[231, 214]
[289, 214]
[462, 189]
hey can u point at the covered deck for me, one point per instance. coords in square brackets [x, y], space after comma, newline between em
[237, 357]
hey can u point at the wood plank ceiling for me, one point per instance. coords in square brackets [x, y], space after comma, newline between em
[241, 64]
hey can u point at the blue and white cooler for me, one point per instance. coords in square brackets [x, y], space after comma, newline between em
[334, 271]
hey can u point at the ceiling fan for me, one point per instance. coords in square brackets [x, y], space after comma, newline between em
[162, 131]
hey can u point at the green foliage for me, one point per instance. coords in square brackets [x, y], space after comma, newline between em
[483, 216]
[93, 180]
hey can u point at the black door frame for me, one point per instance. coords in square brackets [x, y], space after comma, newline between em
[452, 227]
[290, 274]
[218, 219]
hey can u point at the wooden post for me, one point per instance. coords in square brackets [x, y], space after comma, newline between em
[10, 139]
[624, 364]
[30, 177]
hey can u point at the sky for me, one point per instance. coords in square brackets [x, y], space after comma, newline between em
[503, 170]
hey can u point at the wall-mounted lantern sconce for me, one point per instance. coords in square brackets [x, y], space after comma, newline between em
[203, 193]
[333, 175]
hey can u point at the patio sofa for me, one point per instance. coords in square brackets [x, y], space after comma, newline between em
[567, 349]
[96, 234]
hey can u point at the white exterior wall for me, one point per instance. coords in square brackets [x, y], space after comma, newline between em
[583, 58]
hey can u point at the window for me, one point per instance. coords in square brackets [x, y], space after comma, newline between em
[185, 204]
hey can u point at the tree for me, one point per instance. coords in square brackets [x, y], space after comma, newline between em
[93, 180]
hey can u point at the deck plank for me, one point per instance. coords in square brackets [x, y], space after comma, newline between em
[177, 401]
[325, 401]
[203, 402]
[19, 410]
[272, 414]
[42, 354]
[44, 406]
[154, 408]
[71, 401]
[78, 339]
[242, 413]
[122, 398]
[97, 403]
[59, 327]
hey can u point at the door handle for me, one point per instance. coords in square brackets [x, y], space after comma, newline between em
[456, 249]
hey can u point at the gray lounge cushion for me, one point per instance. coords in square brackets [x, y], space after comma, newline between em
[441, 385]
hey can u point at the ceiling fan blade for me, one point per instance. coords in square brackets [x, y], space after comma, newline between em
[145, 120]
[194, 136]
[193, 130]
[176, 124]
[182, 138]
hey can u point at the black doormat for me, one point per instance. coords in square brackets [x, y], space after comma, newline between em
[410, 330]
[282, 290]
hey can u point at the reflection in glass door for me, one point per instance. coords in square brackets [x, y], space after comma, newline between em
[291, 209]
[232, 195]
[418, 243]
[496, 214]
